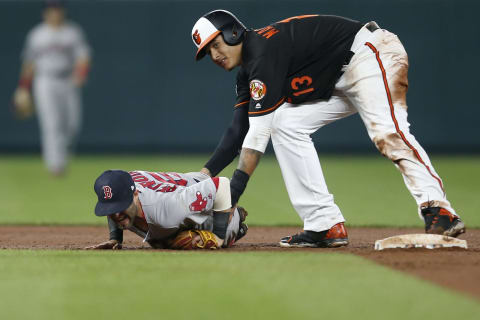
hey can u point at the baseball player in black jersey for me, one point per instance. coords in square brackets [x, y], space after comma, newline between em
[300, 74]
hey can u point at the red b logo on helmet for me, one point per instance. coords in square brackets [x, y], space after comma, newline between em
[196, 37]
[107, 191]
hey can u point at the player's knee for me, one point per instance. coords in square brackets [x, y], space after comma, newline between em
[392, 146]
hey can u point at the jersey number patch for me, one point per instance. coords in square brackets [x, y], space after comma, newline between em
[301, 82]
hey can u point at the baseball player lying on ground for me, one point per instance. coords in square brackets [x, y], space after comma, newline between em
[169, 210]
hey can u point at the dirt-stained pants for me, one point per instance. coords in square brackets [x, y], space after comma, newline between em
[374, 84]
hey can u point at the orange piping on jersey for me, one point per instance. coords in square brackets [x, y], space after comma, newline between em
[265, 29]
[207, 41]
[241, 103]
[272, 108]
[267, 32]
[296, 94]
[298, 17]
[392, 113]
[270, 33]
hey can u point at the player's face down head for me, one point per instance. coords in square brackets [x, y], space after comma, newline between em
[125, 218]
[225, 56]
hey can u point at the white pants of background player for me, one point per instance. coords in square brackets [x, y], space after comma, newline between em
[58, 107]
[374, 84]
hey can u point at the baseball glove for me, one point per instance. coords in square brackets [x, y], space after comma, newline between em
[194, 239]
[22, 103]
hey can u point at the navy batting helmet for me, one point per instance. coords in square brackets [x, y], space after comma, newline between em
[214, 23]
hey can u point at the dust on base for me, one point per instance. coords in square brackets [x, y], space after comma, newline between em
[428, 241]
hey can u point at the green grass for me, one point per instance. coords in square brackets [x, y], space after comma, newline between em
[223, 285]
[368, 189]
[180, 285]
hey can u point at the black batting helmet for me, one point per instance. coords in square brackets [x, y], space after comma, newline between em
[213, 23]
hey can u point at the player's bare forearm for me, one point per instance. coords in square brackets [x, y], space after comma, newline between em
[26, 75]
[82, 67]
[27, 70]
[249, 159]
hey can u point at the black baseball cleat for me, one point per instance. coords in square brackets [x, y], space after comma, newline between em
[242, 231]
[335, 237]
[441, 221]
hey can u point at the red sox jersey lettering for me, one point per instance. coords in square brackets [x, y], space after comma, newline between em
[162, 182]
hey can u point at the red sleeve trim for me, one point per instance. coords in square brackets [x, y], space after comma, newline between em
[216, 181]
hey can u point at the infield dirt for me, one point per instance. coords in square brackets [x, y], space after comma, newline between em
[455, 268]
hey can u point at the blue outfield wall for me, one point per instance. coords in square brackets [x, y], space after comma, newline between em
[146, 93]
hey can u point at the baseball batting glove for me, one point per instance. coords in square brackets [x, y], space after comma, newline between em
[194, 239]
[22, 103]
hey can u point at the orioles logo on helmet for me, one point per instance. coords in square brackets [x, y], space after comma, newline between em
[196, 37]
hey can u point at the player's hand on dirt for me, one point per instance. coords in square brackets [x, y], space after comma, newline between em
[107, 245]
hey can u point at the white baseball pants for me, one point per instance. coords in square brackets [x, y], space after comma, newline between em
[374, 84]
[59, 113]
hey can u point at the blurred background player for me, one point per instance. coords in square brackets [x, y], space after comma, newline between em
[56, 61]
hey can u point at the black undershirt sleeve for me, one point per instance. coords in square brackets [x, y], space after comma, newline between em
[231, 142]
[115, 232]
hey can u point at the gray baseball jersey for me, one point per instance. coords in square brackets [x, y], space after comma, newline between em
[54, 51]
[174, 201]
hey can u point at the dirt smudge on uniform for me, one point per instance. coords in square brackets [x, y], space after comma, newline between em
[399, 83]
[393, 147]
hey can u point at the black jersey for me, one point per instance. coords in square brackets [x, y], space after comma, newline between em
[296, 60]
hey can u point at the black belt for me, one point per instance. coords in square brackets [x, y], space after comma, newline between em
[372, 26]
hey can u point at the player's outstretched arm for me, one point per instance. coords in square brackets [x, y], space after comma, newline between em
[107, 245]
[249, 159]
[81, 69]
[22, 100]
[116, 238]
[228, 148]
